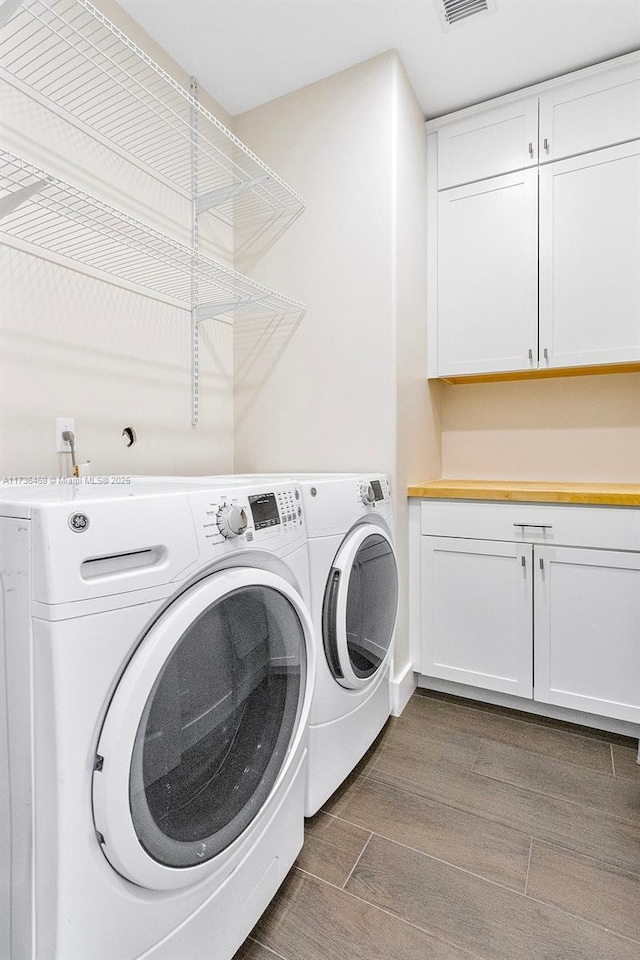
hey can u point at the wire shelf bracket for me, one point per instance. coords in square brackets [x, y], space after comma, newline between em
[209, 311]
[12, 201]
[7, 10]
[216, 198]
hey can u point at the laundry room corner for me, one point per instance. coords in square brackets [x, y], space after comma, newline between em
[352, 380]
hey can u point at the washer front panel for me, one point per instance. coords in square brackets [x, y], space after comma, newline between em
[201, 726]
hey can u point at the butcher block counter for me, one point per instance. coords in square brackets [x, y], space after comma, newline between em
[611, 494]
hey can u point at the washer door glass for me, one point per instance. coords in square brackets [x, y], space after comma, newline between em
[216, 727]
[360, 606]
[201, 725]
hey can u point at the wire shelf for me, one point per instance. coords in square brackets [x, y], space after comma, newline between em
[82, 65]
[45, 211]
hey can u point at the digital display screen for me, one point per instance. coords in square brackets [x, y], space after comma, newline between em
[264, 510]
[377, 489]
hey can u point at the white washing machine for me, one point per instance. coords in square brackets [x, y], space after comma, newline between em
[354, 602]
[158, 663]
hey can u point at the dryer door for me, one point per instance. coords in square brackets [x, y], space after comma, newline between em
[202, 726]
[360, 606]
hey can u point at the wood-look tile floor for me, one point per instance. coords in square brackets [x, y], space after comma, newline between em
[469, 831]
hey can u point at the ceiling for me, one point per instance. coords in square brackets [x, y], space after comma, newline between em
[247, 52]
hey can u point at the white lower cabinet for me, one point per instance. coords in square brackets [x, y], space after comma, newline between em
[587, 630]
[477, 613]
[552, 613]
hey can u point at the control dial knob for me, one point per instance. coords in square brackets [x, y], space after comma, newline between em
[231, 520]
[367, 493]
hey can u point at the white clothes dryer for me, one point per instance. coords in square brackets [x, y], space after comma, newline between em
[354, 602]
[158, 665]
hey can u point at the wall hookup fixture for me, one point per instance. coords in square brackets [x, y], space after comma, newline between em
[144, 115]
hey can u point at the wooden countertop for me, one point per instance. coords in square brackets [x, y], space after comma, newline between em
[612, 494]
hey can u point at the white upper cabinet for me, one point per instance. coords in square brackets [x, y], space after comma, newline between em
[534, 241]
[488, 268]
[590, 258]
[599, 111]
[488, 143]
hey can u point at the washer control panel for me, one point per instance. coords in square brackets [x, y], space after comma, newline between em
[290, 507]
[367, 493]
[249, 516]
[231, 520]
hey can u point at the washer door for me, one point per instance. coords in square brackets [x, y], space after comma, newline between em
[201, 726]
[360, 606]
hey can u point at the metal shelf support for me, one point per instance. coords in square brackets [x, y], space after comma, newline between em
[7, 10]
[14, 200]
[216, 198]
[217, 308]
[195, 334]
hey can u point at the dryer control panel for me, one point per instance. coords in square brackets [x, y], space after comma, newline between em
[334, 503]
[372, 492]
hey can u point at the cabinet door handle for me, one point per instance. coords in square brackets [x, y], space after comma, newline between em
[530, 354]
[541, 563]
[530, 149]
[546, 353]
[539, 526]
[546, 144]
[523, 561]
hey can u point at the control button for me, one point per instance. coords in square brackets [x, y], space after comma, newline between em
[367, 493]
[232, 521]
[299, 511]
[297, 494]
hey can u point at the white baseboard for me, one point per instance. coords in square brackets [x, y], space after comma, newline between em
[401, 688]
[531, 706]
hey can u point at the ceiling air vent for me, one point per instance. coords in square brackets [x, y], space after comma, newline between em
[454, 12]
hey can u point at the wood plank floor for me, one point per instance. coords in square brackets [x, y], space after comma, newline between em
[469, 831]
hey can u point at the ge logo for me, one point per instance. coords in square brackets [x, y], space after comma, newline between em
[78, 522]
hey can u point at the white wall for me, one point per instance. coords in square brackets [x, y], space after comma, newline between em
[349, 391]
[74, 345]
[579, 428]
[328, 402]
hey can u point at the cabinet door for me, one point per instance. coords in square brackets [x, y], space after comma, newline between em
[599, 111]
[590, 259]
[587, 630]
[487, 276]
[488, 143]
[476, 613]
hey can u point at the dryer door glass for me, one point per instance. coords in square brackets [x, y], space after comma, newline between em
[217, 726]
[360, 606]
